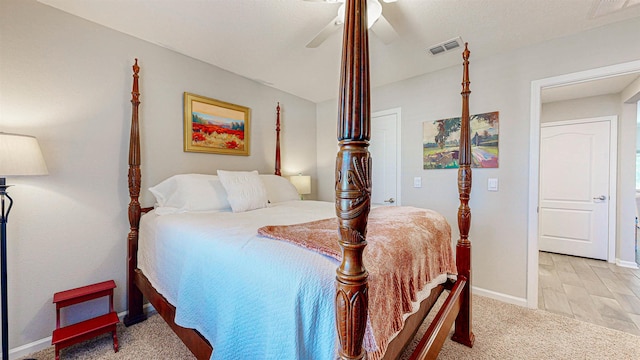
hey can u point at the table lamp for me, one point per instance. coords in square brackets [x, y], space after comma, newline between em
[302, 184]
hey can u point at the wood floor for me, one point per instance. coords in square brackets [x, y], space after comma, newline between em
[590, 290]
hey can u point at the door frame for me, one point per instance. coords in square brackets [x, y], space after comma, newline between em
[397, 111]
[613, 175]
[534, 157]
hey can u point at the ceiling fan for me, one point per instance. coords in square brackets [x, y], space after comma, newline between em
[376, 21]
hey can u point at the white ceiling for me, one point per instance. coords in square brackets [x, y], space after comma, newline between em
[265, 40]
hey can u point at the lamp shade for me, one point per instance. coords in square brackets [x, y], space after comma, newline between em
[302, 183]
[20, 155]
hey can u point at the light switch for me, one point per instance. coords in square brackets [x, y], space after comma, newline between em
[492, 184]
[417, 182]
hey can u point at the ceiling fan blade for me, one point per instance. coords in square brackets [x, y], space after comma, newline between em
[324, 34]
[383, 29]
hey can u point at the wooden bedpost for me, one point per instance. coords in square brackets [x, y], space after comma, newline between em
[134, 296]
[277, 172]
[463, 332]
[353, 182]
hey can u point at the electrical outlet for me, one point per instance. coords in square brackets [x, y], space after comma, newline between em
[417, 182]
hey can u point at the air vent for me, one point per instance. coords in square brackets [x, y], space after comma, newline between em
[451, 45]
[437, 50]
[446, 46]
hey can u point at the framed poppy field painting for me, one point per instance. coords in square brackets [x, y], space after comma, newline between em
[217, 127]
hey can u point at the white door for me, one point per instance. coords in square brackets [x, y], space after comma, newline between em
[575, 188]
[384, 150]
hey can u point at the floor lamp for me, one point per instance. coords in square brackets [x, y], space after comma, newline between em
[19, 155]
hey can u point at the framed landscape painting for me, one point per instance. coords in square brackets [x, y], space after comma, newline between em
[213, 126]
[441, 139]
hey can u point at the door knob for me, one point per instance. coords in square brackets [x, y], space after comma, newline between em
[601, 197]
[390, 201]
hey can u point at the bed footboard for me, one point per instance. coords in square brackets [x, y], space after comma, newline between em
[198, 345]
[432, 341]
[463, 332]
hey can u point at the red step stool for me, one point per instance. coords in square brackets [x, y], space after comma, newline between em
[72, 334]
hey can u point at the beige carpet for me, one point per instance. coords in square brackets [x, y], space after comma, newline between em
[502, 331]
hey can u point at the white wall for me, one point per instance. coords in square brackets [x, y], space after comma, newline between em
[590, 107]
[626, 214]
[631, 94]
[500, 83]
[68, 82]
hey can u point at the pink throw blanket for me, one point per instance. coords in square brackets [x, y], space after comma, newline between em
[407, 248]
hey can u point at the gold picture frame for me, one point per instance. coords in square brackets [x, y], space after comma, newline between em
[216, 127]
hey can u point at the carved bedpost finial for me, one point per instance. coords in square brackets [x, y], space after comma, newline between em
[277, 170]
[135, 93]
[353, 182]
[466, 53]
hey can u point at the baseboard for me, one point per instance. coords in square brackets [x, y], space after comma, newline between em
[499, 296]
[626, 264]
[29, 348]
[42, 344]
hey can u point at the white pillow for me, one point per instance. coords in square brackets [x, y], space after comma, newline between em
[191, 192]
[279, 189]
[245, 190]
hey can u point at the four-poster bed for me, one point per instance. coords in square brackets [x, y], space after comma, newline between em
[352, 206]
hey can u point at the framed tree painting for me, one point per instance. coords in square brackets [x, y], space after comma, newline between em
[441, 139]
[214, 126]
